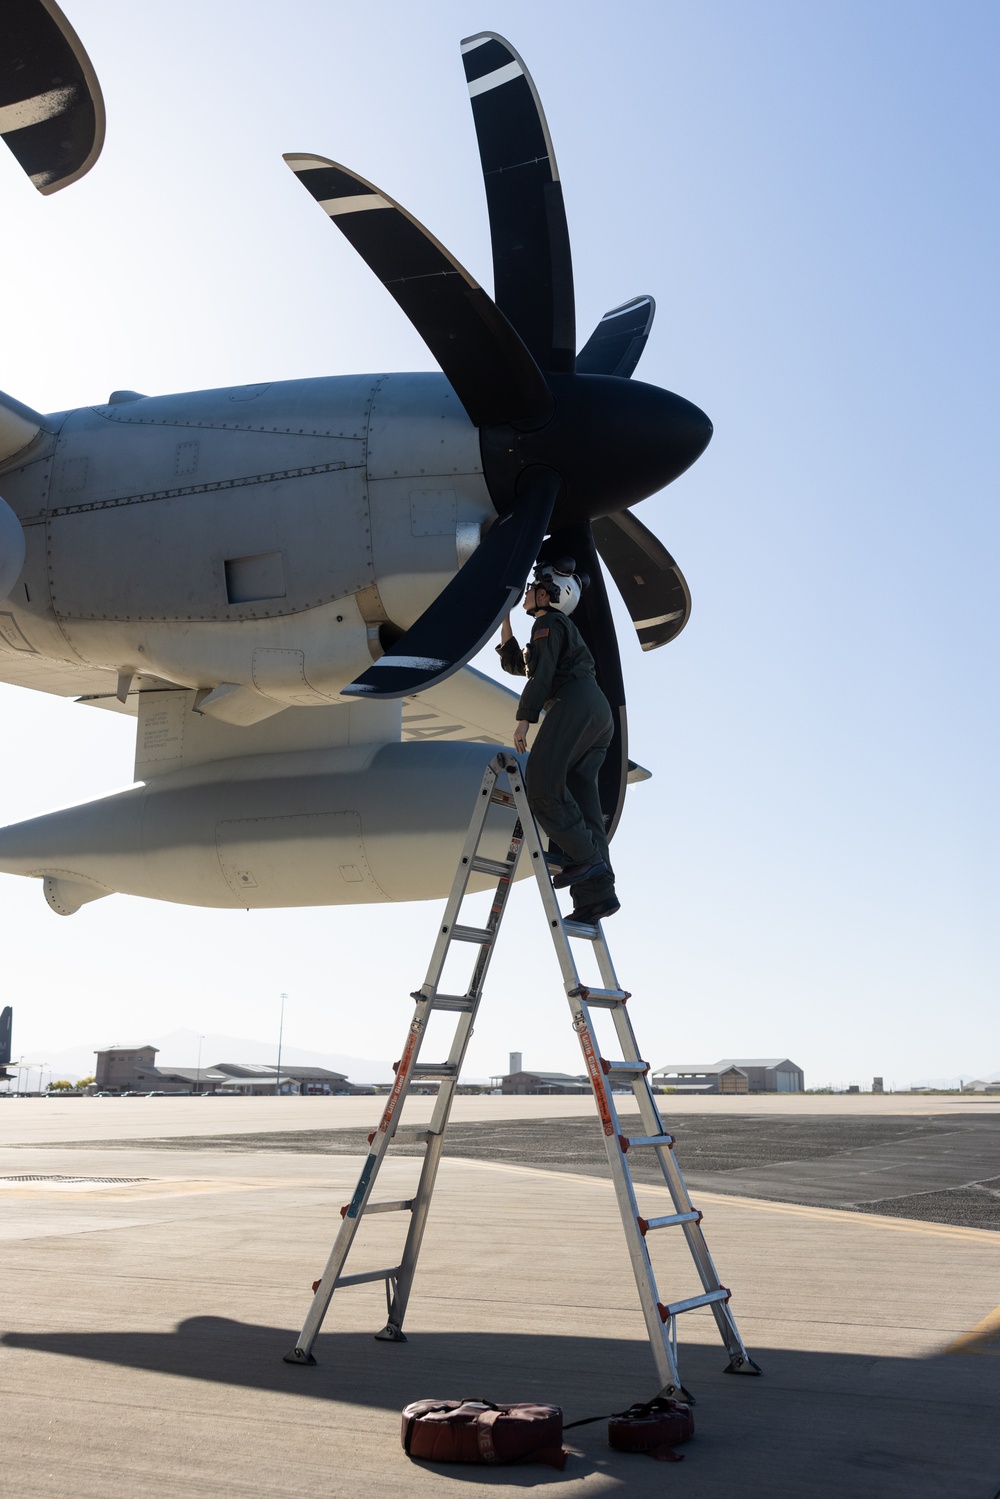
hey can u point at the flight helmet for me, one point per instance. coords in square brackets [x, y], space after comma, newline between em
[562, 582]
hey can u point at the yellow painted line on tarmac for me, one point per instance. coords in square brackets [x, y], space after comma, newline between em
[983, 1340]
[842, 1216]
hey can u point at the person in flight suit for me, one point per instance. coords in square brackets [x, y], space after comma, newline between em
[570, 746]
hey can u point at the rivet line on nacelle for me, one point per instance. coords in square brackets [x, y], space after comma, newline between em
[210, 487]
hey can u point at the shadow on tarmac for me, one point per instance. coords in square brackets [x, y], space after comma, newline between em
[815, 1424]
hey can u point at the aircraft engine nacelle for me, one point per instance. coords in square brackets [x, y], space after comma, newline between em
[11, 549]
[330, 827]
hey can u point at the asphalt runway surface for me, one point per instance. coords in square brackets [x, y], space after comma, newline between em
[939, 1168]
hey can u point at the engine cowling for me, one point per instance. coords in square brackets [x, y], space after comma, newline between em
[344, 826]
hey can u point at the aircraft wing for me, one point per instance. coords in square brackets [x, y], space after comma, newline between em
[24, 668]
[467, 706]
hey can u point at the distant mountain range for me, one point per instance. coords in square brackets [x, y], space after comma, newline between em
[180, 1049]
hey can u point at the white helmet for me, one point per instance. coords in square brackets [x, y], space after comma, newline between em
[562, 583]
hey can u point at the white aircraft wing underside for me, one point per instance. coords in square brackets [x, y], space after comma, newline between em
[25, 668]
[468, 706]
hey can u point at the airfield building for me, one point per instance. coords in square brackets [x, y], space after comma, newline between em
[732, 1075]
[133, 1069]
[541, 1082]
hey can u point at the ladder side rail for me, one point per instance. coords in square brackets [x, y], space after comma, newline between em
[463, 874]
[463, 1031]
[449, 1087]
[677, 1186]
[354, 1211]
[621, 1176]
[393, 1330]
[605, 965]
[669, 1165]
[702, 1256]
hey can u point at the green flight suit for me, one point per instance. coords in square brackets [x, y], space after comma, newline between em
[570, 746]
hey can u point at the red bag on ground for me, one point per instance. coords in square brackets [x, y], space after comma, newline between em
[656, 1427]
[476, 1431]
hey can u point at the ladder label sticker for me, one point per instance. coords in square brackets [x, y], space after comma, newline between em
[596, 1079]
[361, 1188]
[402, 1078]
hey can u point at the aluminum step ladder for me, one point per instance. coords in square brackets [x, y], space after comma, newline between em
[503, 785]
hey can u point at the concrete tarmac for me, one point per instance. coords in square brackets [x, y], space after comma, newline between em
[149, 1299]
[37, 1120]
[939, 1167]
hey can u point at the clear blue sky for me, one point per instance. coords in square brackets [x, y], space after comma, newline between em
[810, 193]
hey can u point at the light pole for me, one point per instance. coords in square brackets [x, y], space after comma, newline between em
[281, 1031]
[41, 1070]
[198, 1084]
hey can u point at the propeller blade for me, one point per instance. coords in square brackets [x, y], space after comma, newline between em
[467, 612]
[51, 108]
[532, 267]
[491, 370]
[648, 579]
[594, 619]
[616, 344]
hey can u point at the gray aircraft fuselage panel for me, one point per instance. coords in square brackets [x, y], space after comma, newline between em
[263, 508]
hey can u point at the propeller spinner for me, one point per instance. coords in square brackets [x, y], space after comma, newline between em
[569, 441]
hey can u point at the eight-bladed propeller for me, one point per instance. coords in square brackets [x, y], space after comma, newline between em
[568, 441]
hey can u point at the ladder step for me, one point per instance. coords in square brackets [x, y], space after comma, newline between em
[472, 934]
[584, 931]
[405, 1137]
[403, 1205]
[676, 1307]
[623, 1069]
[602, 998]
[365, 1277]
[499, 867]
[669, 1221]
[501, 798]
[463, 1003]
[662, 1142]
[434, 1069]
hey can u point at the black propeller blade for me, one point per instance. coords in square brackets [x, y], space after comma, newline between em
[647, 577]
[464, 616]
[51, 109]
[532, 268]
[487, 363]
[569, 447]
[616, 344]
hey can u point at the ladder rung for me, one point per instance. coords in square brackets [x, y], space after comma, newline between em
[603, 998]
[403, 1205]
[405, 1137]
[669, 1221]
[664, 1142]
[502, 798]
[584, 931]
[499, 867]
[461, 1002]
[623, 1069]
[675, 1309]
[434, 1069]
[365, 1277]
[472, 934]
